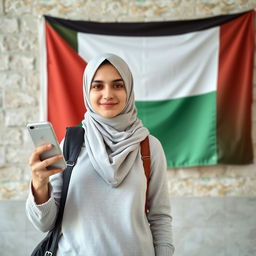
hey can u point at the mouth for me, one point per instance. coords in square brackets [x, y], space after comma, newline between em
[108, 104]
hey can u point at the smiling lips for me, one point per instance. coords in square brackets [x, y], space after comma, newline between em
[108, 104]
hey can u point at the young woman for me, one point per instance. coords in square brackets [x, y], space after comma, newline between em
[105, 207]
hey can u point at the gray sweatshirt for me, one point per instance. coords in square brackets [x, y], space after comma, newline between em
[101, 220]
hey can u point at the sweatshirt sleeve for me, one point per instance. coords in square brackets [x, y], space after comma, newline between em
[43, 216]
[159, 215]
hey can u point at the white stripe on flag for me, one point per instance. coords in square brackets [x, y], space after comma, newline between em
[164, 67]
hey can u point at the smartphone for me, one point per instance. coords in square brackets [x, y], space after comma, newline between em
[42, 133]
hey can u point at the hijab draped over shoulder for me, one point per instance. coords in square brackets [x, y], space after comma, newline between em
[112, 143]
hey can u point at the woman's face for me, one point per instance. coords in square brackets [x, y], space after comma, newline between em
[107, 93]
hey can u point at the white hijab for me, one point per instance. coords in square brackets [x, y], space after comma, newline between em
[112, 143]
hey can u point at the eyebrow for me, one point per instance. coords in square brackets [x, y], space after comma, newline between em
[100, 81]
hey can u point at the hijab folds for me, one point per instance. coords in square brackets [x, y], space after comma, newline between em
[112, 143]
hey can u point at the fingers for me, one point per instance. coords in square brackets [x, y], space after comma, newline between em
[42, 165]
[49, 161]
[35, 156]
[41, 178]
[40, 173]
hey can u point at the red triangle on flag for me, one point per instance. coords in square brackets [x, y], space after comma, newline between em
[65, 83]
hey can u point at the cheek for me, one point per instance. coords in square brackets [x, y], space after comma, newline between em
[123, 95]
[93, 98]
[123, 98]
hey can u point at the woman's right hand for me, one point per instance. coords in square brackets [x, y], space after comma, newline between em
[40, 173]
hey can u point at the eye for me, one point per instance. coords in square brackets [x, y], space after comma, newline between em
[118, 86]
[97, 86]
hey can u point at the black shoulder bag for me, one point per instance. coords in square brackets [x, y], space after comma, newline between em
[72, 146]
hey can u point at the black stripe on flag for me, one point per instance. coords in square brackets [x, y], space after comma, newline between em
[158, 28]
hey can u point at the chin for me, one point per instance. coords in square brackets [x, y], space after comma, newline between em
[109, 115]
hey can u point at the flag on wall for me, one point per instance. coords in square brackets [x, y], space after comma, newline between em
[193, 81]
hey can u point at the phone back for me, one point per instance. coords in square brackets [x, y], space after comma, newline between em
[43, 133]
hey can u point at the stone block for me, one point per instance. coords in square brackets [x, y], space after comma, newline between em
[1, 116]
[13, 190]
[18, 7]
[22, 62]
[8, 25]
[212, 187]
[109, 8]
[31, 81]
[15, 43]
[11, 173]
[190, 172]
[197, 172]
[10, 80]
[20, 117]
[29, 23]
[17, 154]
[178, 10]
[2, 156]
[1, 7]
[211, 171]
[27, 171]
[11, 136]
[237, 171]
[4, 62]
[1, 99]
[16, 99]
[69, 8]
[2, 46]
[222, 186]
[28, 42]
[217, 7]
[180, 187]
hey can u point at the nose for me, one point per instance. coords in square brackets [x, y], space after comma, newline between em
[108, 93]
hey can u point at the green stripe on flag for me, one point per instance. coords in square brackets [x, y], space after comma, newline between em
[192, 140]
[70, 36]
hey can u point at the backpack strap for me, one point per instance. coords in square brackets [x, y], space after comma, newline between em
[74, 140]
[145, 156]
[72, 146]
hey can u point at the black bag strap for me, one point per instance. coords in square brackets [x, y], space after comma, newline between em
[72, 146]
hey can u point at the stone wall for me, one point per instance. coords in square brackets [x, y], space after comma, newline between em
[20, 90]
